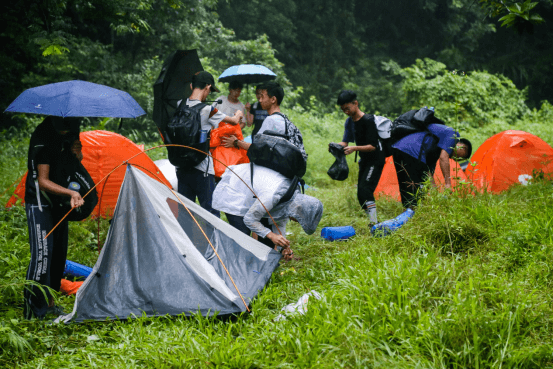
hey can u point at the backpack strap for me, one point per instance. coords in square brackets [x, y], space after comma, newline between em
[296, 181]
[286, 120]
[251, 176]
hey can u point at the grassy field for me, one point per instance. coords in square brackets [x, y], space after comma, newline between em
[466, 283]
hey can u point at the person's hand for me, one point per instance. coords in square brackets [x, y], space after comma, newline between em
[239, 113]
[349, 149]
[76, 200]
[77, 149]
[278, 240]
[228, 141]
[248, 106]
[287, 253]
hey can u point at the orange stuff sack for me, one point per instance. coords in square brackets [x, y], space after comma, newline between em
[226, 155]
[507, 158]
[69, 288]
[389, 187]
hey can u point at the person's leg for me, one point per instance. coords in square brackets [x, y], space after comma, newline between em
[369, 175]
[238, 223]
[39, 224]
[205, 186]
[410, 176]
[59, 254]
[186, 180]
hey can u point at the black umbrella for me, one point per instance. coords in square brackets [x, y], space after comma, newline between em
[173, 84]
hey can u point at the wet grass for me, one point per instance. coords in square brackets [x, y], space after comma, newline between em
[466, 283]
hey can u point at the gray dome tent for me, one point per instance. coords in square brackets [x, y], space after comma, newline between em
[157, 261]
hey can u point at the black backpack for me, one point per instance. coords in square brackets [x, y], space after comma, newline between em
[69, 172]
[413, 121]
[184, 129]
[273, 150]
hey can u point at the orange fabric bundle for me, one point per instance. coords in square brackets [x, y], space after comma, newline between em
[69, 288]
[227, 155]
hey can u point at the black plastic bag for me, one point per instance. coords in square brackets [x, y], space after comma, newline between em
[339, 171]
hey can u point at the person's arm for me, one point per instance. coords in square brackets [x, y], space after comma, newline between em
[234, 120]
[47, 185]
[444, 166]
[232, 141]
[249, 115]
[367, 148]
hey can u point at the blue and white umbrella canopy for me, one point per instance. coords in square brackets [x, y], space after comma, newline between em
[77, 99]
[247, 74]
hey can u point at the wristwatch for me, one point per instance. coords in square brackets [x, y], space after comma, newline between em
[235, 143]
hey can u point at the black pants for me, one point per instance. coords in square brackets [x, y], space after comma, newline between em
[411, 175]
[238, 223]
[196, 183]
[47, 257]
[369, 175]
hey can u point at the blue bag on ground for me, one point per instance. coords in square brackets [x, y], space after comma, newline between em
[76, 269]
[337, 233]
[388, 226]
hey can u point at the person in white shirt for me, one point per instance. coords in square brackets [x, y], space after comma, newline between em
[247, 214]
[230, 104]
[200, 181]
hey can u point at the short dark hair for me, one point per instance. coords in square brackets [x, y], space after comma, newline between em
[235, 85]
[467, 144]
[273, 89]
[346, 96]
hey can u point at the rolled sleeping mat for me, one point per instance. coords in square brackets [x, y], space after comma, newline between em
[76, 269]
[337, 233]
[388, 226]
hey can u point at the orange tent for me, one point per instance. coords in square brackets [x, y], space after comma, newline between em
[506, 158]
[388, 185]
[103, 151]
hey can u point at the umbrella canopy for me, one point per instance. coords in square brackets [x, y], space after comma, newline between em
[77, 99]
[173, 84]
[247, 74]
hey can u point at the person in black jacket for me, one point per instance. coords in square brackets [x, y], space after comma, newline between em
[48, 255]
[361, 129]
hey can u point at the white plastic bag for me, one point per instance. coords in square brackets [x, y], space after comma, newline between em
[299, 307]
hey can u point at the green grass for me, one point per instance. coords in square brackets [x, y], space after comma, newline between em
[465, 283]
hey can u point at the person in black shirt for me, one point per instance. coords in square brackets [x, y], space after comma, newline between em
[361, 129]
[48, 255]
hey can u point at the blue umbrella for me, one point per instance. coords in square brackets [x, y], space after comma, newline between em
[77, 99]
[247, 74]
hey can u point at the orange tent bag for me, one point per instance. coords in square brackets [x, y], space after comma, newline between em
[227, 155]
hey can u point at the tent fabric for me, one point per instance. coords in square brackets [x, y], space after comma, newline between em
[156, 261]
[388, 185]
[103, 151]
[505, 157]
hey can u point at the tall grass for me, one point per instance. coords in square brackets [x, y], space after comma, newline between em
[465, 283]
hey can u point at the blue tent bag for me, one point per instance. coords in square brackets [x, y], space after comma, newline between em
[387, 227]
[76, 269]
[337, 233]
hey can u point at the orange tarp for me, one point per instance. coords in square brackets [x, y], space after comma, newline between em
[103, 151]
[388, 185]
[69, 288]
[505, 157]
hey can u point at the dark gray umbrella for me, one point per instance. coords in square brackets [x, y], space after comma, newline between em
[173, 84]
